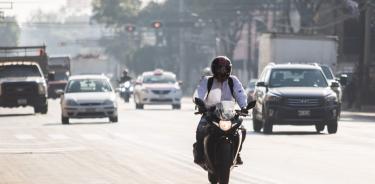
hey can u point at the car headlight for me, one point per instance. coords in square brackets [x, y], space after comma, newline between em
[273, 98]
[108, 102]
[42, 88]
[225, 125]
[71, 102]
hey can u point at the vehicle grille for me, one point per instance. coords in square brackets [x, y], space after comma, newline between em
[89, 104]
[161, 92]
[161, 100]
[19, 88]
[303, 102]
[91, 114]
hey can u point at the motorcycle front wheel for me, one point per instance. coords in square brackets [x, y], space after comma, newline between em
[224, 162]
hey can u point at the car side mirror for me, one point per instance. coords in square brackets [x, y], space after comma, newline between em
[251, 105]
[180, 83]
[335, 85]
[59, 92]
[343, 79]
[261, 84]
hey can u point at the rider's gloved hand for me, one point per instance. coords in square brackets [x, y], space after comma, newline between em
[244, 110]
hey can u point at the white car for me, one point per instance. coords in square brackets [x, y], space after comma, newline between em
[88, 96]
[157, 88]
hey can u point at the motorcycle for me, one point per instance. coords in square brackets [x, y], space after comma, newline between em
[126, 90]
[223, 140]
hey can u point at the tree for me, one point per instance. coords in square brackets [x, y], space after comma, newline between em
[228, 18]
[9, 31]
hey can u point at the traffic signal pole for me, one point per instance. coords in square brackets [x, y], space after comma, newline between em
[182, 71]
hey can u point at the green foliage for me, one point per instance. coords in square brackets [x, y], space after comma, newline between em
[9, 31]
[115, 13]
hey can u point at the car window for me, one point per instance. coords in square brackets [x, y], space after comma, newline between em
[158, 79]
[19, 71]
[327, 72]
[88, 85]
[297, 78]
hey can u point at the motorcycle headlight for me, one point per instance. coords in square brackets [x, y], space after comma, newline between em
[71, 102]
[127, 85]
[225, 125]
[273, 98]
[42, 88]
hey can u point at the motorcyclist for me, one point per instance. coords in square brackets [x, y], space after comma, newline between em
[125, 77]
[221, 68]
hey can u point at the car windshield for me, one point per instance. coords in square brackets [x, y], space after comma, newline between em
[297, 78]
[327, 72]
[19, 71]
[88, 85]
[158, 79]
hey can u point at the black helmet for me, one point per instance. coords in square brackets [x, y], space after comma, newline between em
[221, 68]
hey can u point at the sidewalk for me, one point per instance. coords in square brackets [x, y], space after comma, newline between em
[366, 116]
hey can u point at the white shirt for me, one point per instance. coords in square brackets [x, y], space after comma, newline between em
[221, 92]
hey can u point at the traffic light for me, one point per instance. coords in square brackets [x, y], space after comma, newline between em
[130, 28]
[156, 25]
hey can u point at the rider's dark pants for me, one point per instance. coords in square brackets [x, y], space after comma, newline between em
[201, 132]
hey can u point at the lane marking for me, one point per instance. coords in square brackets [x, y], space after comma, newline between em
[58, 136]
[92, 137]
[24, 137]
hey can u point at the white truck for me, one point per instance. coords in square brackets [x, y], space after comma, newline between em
[291, 48]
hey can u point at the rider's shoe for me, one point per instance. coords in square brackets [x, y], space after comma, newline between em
[239, 160]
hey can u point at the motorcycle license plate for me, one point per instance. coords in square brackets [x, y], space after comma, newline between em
[304, 113]
[21, 101]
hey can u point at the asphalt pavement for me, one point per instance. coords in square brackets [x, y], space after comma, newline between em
[154, 145]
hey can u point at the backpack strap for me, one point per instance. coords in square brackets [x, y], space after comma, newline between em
[210, 82]
[231, 86]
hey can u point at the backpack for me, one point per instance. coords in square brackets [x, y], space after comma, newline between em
[210, 82]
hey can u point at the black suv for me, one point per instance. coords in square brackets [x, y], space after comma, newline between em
[295, 94]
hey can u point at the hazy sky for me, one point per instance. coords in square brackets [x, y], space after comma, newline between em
[23, 8]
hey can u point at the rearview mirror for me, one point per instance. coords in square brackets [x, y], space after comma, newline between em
[199, 102]
[251, 105]
[335, 85]
[180, 83]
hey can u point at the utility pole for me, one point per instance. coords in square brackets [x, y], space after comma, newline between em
[182, 67]
[362, 91]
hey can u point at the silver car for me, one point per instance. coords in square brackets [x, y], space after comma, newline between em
[157, 88]
[88, 96]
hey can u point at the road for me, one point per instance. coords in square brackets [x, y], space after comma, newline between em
[155, 146]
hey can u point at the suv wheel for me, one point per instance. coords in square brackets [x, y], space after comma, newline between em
[332, 126]
[44, 109]
[139, 106]
[113, 119]
[64, 120]
[176, 106]
[257, 125]
[268, 126]
[319, 127]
